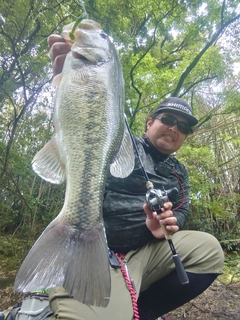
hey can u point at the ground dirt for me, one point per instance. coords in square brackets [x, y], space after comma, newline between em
[218, 302]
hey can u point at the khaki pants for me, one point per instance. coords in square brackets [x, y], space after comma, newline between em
[199, 252]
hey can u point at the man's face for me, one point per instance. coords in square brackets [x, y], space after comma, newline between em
[165, 138]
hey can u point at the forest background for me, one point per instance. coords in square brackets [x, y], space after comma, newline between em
[184, 48]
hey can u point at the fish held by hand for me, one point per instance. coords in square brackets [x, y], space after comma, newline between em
[90, 139]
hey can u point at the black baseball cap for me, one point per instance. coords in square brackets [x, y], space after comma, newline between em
[178, 106]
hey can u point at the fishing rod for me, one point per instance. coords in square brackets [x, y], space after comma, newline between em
[155, 199]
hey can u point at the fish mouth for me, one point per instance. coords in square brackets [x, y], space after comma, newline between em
[79, 56]
[90, 55]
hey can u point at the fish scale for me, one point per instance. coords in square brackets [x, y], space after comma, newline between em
[90, 139]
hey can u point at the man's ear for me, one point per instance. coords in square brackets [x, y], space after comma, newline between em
[149, 123]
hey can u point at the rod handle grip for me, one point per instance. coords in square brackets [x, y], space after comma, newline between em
[182, 275]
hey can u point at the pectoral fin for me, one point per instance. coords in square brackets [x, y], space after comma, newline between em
[47, 163]
[123, 163]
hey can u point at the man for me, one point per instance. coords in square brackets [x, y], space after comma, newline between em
[134, 230]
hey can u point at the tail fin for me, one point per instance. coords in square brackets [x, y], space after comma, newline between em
[69, 257]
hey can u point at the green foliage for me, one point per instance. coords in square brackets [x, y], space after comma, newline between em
[200, 161]
[212, 210]
[184, 48]
[231, 269]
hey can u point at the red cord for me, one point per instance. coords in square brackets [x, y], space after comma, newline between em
[181, 186]
[130, 285]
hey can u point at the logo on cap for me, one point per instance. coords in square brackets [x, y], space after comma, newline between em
[178, 106]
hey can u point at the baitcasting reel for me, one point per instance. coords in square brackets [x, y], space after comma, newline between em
[155, 198]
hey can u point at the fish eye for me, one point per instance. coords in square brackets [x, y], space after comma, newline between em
[103, 35]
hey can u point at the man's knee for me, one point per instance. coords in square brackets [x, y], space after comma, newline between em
[214, 251]
[200, 252]
[63, 306]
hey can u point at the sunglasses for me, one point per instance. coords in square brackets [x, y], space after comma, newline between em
[171, 121]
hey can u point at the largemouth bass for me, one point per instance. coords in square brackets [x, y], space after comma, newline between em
[90, 138]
